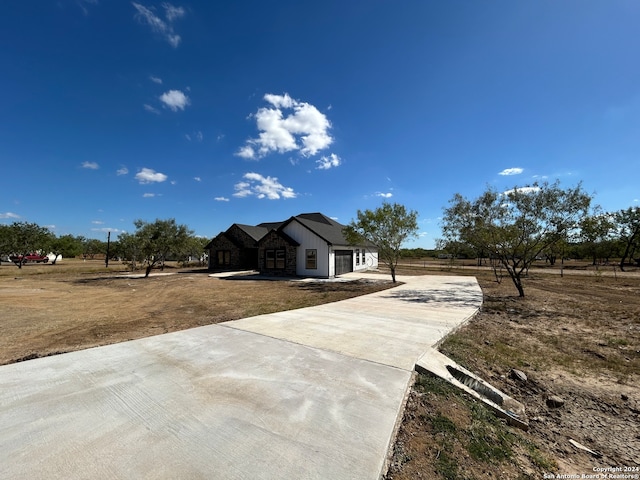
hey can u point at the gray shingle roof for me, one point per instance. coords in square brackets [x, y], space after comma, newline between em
[255, 232]
[323, 226]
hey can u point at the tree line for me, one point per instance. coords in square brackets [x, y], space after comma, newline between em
[512, 228]
[150, 245]
[517, 227]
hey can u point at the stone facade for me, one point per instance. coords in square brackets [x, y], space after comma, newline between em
[239, 250]
[222, 244]
[274, 241]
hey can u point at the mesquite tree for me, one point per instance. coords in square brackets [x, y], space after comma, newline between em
[515, 227]
[386, 227]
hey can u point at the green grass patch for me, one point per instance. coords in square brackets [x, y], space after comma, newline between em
[447, 466]
[489, 439]
[442, 424]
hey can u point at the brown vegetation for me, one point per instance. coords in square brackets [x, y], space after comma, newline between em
[576, 337]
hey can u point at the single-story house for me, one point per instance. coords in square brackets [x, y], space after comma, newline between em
[306, 245]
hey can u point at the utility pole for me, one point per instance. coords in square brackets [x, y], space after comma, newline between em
[106, 261]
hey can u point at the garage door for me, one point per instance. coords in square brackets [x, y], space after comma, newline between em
[344, 261]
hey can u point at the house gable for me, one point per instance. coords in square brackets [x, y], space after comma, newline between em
[236, 248]
[324, 227]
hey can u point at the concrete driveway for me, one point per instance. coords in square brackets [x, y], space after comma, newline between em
[313, 393]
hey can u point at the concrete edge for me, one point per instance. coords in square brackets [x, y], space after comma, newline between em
[396, 428]
[500, 403]
[456, 328]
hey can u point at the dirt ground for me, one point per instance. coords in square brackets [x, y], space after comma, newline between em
[575, 337]
[50, 309]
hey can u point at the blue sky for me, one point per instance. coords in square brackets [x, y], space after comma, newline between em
[215, 112]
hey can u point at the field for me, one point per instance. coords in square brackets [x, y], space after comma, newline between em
[576, 337]
[49, 309]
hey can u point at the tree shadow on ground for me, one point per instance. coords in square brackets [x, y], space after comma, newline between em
[450, 298]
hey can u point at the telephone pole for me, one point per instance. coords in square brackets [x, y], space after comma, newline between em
[106, 260]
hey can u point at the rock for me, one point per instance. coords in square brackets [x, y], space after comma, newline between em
[518, 375]
[624, 397]
[554, 402]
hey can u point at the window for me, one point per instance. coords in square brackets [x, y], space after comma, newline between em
[270, 259]
[312, 259]
[362, 259]
[275, 258]
[357, 256]
[224, 257]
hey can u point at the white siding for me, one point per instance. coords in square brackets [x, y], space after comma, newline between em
[332, 263]
[371, 259]
[308, 239]
[326, 257]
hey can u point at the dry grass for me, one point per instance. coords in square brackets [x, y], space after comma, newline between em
[48, 309]
[577, 337]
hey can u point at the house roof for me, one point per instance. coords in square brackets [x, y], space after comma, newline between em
[255, 232]
[270, 225]
[326, 228]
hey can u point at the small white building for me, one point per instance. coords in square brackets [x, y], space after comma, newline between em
[306, 245]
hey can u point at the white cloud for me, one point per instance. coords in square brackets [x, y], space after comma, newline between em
[147, 175]
[90, 165]
[246, 152]
[197, 179]
[157, 80]
[97, 222]
[149, 195]
[384, 195]
[197, 136]
[82, 3]
[262, 187]
[175, 100]
[325, 163]
[157, 24]
[151, 109]
[9, 215]
[521, 190]
[172, 12]
[511, 171]
[221, 199]
[122, 171]
[305, 129]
